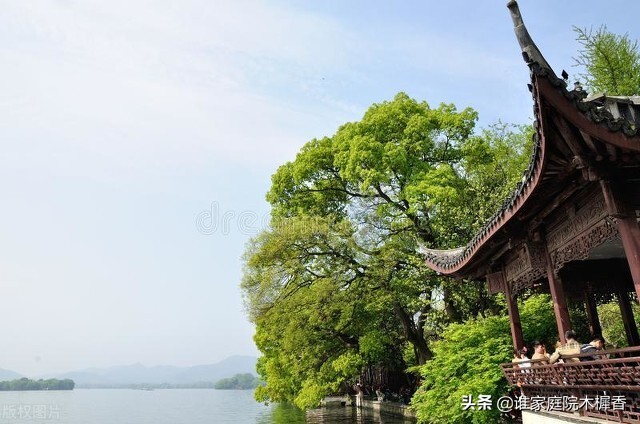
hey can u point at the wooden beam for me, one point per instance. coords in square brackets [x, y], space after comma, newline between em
[592, 145]
[569, 137]
[613, 152]
[558, 198]
[563, 147]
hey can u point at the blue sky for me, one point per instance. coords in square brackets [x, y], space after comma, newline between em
[138, 138]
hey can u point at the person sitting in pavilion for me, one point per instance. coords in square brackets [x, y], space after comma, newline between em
[596, 344]
[520, 358]
[540, 353]
[571, 347]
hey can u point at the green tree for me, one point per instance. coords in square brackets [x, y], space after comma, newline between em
[244, 381]
[316, 330]
[467, 362]
[492, 165]
[384, 175]
[612, 326]
[338, 281]
[28, 384]
[539, 322]
[611, 62]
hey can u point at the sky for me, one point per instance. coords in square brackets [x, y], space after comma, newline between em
[138, 137]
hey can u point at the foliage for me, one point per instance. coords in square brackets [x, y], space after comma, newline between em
[493, 164]
[28, 384]
[285, 413]
[538, 321]
[245, 381]
[310, 337]
[338, 282]
[579, 320]
[467, 362]
[612, 326]
[612, 62]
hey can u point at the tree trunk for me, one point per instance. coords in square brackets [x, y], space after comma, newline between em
[413, 335]
[452, 312]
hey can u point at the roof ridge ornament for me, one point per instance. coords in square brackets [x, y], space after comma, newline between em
[530, 51]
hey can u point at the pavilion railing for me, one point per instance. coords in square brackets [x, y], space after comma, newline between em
[606, 388]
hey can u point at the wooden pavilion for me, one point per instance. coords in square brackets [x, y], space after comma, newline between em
[571, 226]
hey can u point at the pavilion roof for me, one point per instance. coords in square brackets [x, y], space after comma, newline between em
[607, 126]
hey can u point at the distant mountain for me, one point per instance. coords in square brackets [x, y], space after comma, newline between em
[138, 374]
[226, 368]
[7, 375]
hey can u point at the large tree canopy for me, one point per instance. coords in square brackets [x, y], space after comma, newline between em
[337, 281]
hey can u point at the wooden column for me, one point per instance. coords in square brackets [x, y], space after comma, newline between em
[630, 327]
[630, 235]
[627, 227]
[560, 308]
[514, 316]
[497, 283]
[592, 314]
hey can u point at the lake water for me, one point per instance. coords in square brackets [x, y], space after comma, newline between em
[188, 406]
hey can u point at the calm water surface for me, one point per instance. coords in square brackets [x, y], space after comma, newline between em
[188, 406]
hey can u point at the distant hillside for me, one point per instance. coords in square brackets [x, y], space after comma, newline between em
[22, 384]
[138, 374]
[238, 382]
[6, 375]
[214, 372]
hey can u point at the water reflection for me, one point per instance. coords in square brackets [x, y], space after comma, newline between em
[351, 415]
[289, 414]
[282, 413]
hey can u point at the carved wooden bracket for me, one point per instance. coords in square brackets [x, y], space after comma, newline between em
[495, 283]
